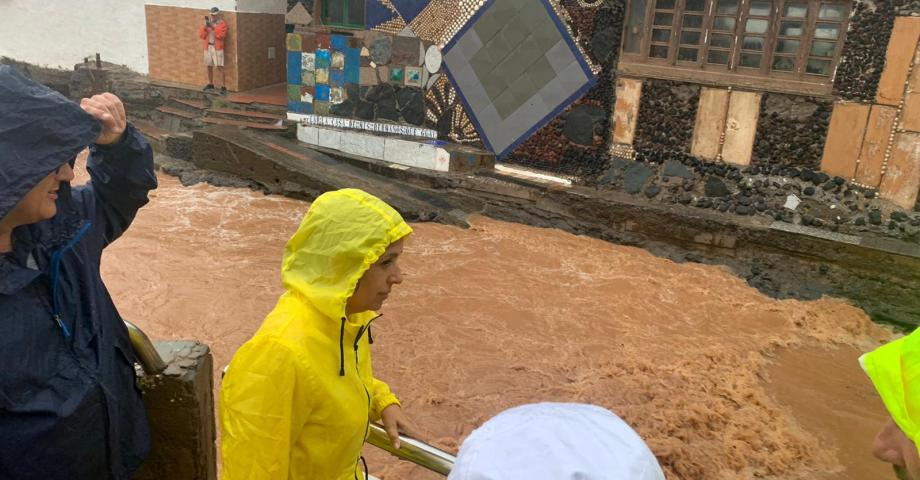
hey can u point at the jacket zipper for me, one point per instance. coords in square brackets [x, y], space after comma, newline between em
[367, 425]
[56, 258]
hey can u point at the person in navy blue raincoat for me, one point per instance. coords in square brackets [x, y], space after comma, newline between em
[70, 407]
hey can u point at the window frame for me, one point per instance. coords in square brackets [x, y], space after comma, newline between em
[798, 80]
[324, 5]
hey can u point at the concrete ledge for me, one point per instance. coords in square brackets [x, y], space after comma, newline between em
[409, 152]
[180, 406]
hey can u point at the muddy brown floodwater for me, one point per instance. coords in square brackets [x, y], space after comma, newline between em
[722, 382]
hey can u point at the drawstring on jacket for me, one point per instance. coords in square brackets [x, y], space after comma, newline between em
[361, 330]
[342, 349]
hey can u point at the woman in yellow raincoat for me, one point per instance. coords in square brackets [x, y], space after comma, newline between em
[298, 396]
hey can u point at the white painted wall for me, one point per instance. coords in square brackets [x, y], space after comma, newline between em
[261, 6]
[59, 33]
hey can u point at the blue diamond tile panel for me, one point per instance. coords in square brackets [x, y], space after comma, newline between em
[409, 9]
[515, 67]
[376, 14]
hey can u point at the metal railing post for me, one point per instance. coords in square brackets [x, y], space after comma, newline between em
[412, 450]
[146, 354]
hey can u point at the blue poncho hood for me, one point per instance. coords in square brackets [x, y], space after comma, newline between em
[40, 130]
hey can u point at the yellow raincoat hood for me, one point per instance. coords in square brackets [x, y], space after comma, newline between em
[342, 235]
[895, 371]
[298, 396]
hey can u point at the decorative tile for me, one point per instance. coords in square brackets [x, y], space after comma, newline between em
[308, 62]
[505, 62]
[409, 9]
[293, 93]
[293, 68]
[336, 95]
[413, 76]
[321, 108]
[407, 32]
[308, 79]
[433, 59]
[406, 51]
[337, 62]
[339, 42]
[323, 59]
[294, 42]
[396, 74]
[337, 78]
[308, 43]
[322, 93]
[432, 80]
[298, 15]
[307, 94]
[352, 65]
[368, 76]
[323, 41]
[305, 108]
[352, 57]
[322, 76]
[377, 13]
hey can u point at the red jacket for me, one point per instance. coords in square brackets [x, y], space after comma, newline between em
[220, 33]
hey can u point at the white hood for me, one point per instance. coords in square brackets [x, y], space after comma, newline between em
[555, 441]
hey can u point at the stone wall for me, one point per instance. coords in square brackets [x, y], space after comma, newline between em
[667, 115]
[863, 56]
[180, 406]
[792, 130]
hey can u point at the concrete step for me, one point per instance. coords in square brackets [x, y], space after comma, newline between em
[186, 103]
[239, 123]
[151, 131]
[246, 115]
[178, 112]
[155, 135]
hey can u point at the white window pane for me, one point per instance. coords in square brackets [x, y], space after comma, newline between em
[833, 12]
[761, 8]
[755, 25]
[795, 10]
[827, 30]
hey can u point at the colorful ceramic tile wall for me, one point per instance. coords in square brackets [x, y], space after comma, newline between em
[336, 74]
[320, 66]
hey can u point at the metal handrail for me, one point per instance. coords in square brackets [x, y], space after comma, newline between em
[146, 353]
[412, 450]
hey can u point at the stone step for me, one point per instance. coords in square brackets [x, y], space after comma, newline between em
[178, 112]
[239, 123]
[199, 105]
[151, 131]
[254, 116]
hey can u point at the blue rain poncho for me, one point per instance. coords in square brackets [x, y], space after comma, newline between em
[69, 404]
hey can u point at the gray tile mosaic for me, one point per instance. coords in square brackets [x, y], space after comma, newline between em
[573, 77]
[468, 45]
[560, 56]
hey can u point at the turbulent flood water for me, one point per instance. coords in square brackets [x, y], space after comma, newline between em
[721, 381]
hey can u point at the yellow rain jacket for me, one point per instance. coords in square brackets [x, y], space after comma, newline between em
[298, 396]
[895, 371]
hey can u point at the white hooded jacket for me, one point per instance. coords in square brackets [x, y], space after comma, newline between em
[555, 441]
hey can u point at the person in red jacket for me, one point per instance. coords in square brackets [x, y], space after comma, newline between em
[214, 33]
